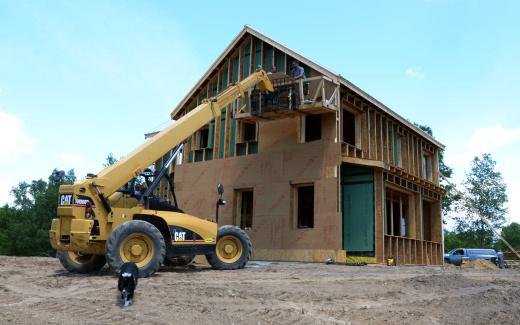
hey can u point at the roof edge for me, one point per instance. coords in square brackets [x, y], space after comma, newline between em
[208, 72]
[336, 77]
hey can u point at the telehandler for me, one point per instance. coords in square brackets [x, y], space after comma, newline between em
[114, 217]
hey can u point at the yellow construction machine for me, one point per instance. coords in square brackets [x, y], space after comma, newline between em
[114, 216]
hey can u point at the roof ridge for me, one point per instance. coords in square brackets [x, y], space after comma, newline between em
[334, 76]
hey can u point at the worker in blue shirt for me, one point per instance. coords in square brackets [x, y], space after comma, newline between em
[297, 71]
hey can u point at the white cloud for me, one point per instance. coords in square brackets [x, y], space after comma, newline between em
[483, 140]
[13, 140]
[414, 73]
[5, 190]
[488, 139]
[70, 158]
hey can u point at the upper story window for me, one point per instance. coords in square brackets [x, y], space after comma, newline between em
[204, 143]
[248, 132]
[397, 149]
[311, 127]
[349, 128]
[427, 166]
[247, 138]
[202, 138]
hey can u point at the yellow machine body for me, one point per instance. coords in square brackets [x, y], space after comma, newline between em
[76, 230]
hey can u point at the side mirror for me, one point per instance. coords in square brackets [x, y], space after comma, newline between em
[220, 189]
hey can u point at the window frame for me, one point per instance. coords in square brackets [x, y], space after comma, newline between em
[200, 152]
[303, 124]
[357, 130]
[402, 199]
[200, 138]
[427, 165]
[237, 209]
[247, 146]
[242, 132]
[296, 201]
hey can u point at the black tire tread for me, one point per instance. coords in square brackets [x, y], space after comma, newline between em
[115, 238]
[227, 230]
[97, 263]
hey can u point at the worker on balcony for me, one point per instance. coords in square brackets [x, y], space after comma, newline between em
[297, 73]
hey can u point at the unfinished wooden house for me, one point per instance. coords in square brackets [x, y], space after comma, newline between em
[317, 169]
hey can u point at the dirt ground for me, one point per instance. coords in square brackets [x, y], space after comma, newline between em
[39, 291]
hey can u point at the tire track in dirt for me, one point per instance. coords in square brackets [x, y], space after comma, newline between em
[90, 314]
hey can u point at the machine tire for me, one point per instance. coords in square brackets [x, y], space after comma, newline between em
[79, 263]
[179, 260]
[136, 241]
[232, 250]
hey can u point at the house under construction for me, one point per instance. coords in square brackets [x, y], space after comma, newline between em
[317, 169]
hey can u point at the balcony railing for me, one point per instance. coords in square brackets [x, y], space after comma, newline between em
[350, 150]
[413, 251]
[312, 96]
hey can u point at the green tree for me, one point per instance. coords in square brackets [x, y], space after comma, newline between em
[484, 196]
[24, 227]
[110, 160]
[511, 233]
[452, 240]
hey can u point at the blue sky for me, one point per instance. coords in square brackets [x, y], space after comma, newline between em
[80, 79]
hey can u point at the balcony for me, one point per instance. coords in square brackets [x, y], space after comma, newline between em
[350, 150]
[316, 95]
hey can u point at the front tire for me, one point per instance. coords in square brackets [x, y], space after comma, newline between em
[139, 242]
[232, 250]
[80, 263]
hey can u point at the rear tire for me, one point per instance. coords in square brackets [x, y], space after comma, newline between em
[80, 263]
[232, 250]
[139, 242]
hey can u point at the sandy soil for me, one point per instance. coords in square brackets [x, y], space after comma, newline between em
[39, 291]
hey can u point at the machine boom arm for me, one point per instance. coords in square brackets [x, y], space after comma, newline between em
[115, 176]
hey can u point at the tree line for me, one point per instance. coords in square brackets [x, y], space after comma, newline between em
[25, 224]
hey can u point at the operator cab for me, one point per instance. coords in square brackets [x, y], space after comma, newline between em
[143, 187]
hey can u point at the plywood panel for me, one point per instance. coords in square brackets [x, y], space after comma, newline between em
[280, 162]
[308, 255]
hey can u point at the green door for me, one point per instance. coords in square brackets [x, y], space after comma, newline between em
[357, 191]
